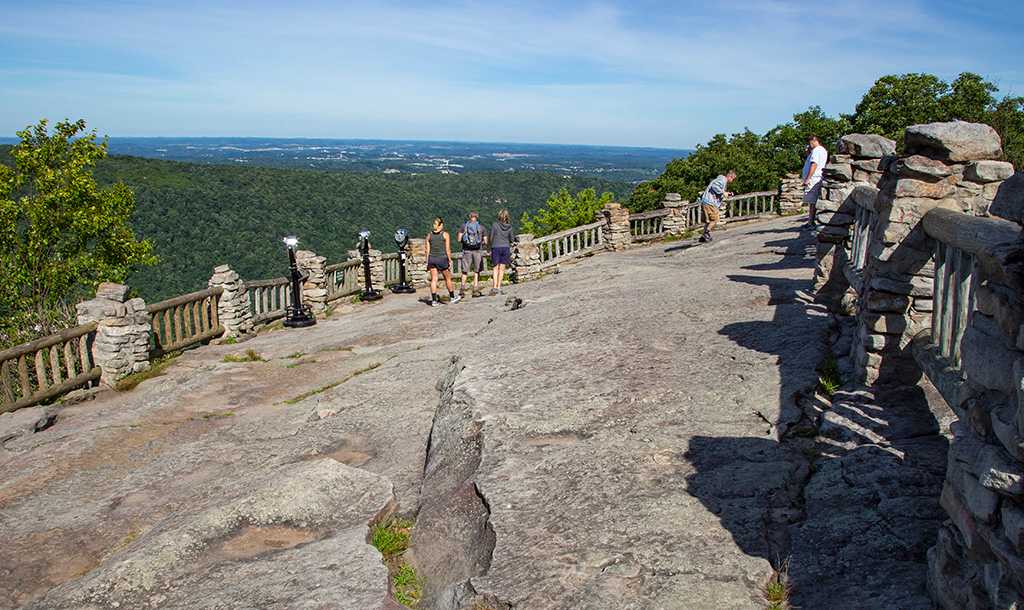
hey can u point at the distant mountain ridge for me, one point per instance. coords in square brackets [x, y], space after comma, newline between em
[629, 164]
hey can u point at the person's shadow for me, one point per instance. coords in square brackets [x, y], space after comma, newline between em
[843, 496]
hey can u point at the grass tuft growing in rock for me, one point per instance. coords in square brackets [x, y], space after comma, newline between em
[828, 376]
[391, 538]
[777, 590]
[296, 355]
[250, 355]
[331, 386]
[156, 368]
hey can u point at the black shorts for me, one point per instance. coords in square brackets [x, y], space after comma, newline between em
[437, 262]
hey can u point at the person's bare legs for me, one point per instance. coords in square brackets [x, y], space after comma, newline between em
[433, 281]
[500, 274]
[448, 281]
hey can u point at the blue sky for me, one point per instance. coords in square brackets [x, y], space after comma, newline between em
[631, 73]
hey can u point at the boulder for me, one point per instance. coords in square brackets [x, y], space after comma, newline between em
[114, 292]
[988, 171]
[866, 145]
[953, 141]
[922, 168]
[24, 421]
[1009, 199]
[840, 172]
[907, 187]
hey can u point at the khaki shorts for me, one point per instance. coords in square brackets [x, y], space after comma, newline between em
[472, 261]
[710, 212]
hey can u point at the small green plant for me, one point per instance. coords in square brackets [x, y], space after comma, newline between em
[332, 385]
[230, 341]
[828, 376]
[250, 355]
[156, 368]
[296, 355]
[391, 537]
[408, 589]
[208, 415]
[777, 590]
[300, 363]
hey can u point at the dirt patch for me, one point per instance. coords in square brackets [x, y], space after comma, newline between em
[253, 541]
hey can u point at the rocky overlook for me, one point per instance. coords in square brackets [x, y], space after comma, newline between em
[643, 432]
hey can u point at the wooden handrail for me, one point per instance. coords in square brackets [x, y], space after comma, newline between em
[47, 341]
[276, 281]
[568, 232]
[185, 298]
[981, 236]
[337, 266]
[650, 214]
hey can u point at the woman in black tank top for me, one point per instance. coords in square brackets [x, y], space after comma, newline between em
[439, 259]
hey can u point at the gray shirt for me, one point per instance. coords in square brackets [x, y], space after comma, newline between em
[713, 194]
[501, 235]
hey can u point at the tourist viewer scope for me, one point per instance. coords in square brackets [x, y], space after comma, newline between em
[296, 315]
[402, 241]
[369, 294]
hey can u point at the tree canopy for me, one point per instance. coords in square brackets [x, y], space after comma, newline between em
[564, 210]
[891, 105]
[60, 232]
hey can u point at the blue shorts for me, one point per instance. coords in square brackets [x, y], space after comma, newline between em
[501, 255]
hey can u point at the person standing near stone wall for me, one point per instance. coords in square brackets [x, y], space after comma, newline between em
[817, 157]
[711, 202]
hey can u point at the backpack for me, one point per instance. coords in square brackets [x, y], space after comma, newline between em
[472, 234]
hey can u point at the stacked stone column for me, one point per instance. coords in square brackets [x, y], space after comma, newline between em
[791, 195]
[121, 346]
[376, 268]
[233, 307]
[527, 258]
[850, 178]
[416, 262]
[314, 289]
[616, 229]
[674, 223]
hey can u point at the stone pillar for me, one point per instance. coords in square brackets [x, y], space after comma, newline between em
[527, 258]
[675, 222]
[896, 300]
[314, 289]
[416, 262]
[233, 307]
[121, 346]
[376, 268]
[616, 229]
[847, 180]
[791, 195]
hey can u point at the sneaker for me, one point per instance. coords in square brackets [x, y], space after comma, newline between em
[501, 291]
[703, 239]
[455, 299]
[436, 303]
[493, 292]
[477, 293]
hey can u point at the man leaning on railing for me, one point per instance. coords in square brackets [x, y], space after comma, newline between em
[711, 202]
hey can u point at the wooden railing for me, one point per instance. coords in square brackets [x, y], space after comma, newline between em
[695, 215]
[457, 266]
[185, 320]
[391, 268]
[647, 225]
[44, 369]
[571, 243]
[960, 241]
[749, 205]
[864, 220]
[343, 279]
[268, 298]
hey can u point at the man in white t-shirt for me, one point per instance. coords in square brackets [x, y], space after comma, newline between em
[817, 157]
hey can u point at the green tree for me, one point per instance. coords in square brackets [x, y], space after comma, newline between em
[61, 233]
[1007, 118]
[971, 98]
[895, 102]
[564, 210]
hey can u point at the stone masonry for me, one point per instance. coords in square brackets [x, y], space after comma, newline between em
[314, 289]
[233, 306]
[121, 346]
[851, 175]
[526, 258]
[376, 268]
[791, 194]
[416, 262]
[616, 231]
[674, 223]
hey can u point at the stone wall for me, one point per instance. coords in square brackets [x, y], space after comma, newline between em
[978, 561]
[233, 306]
[314, 288]
[121, 345]
[616, 230]
[791, 194]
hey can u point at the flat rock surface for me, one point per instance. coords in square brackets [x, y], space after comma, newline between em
[611, 444]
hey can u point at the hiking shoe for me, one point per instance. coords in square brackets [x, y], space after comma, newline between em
[455, 299]
[493, 292]
[436, 303]
[703, 239]
[477, 293]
